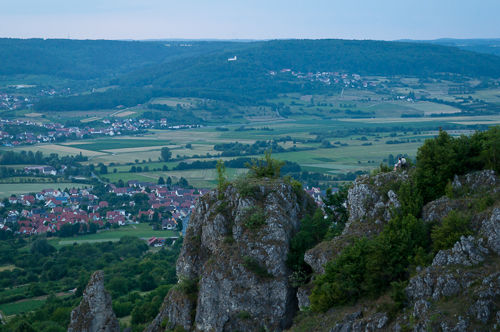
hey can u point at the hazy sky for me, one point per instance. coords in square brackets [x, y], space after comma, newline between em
[251, 19]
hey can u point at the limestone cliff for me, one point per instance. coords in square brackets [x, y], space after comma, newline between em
[459, 291]
[371, 202]
[232, 270]
[95, 313]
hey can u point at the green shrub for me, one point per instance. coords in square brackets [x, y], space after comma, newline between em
[221, 178]
[440, 158]
[253, 265]
[336, 210]
[383, 168]
[246, 188]
[188, 286]
[312, 231]
[485, 202]
[256, 217]
[453, 226]
[122, 309]
[222, 207]
[368, 266]
[266, 167]
[340, 284]
[244, 315]
[229, 239]
[410, 198]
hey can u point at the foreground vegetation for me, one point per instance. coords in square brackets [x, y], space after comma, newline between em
[45, 283]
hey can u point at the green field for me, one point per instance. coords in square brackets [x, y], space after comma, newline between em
[311, 117]
[7, 189]
[19, 307]
[199, 178]
[143, 231]
[109, 144]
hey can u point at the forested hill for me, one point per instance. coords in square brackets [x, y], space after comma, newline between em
[89, 59]
[361, 57]
[145, 69]
[182, 63]
[488, 46]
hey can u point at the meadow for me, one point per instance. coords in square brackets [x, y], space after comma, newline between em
[118, 143]
[143, 231]
[18, 307]
[357, 143]
[8, 189]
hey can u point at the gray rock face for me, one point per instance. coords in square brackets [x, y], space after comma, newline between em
[371, 203]
[303, 294]
[420, 308]
[432, 283]
[472, 184]
[95, 312]
[177, 307]
[476, 181]
[483, 309]
[438, 209]
[355, 322]
[468, 251]
[490, 230]
[236, 248]
[370, 199]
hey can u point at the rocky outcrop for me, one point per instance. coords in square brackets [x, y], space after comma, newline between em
[468, 251]
[356, 322]
[232, 263]
[95, 312]
[459, 291]
[463, 189]
[371, 202]
[373, 198]
[476, 182]
[466, 275]
[437, 210]
[490, 230]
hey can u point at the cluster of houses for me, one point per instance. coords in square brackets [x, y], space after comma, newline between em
[12, 102]
[18, 101]
[52, 132]
[329, 78]
[48, 210]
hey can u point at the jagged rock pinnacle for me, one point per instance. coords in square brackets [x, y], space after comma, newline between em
[95, 313]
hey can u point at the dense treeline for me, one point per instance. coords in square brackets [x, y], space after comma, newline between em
[99, 100]
[439, 159]
[482, 45]
[86, 59]
[37, 158]
[172, 115]
[137, 280]
[288, 166]
[241, 149]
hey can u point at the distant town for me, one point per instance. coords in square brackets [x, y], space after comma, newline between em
[25, 132]
[80, 211]
[49, 210]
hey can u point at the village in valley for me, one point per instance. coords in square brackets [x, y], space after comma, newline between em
[81, 211]
[25, 132]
